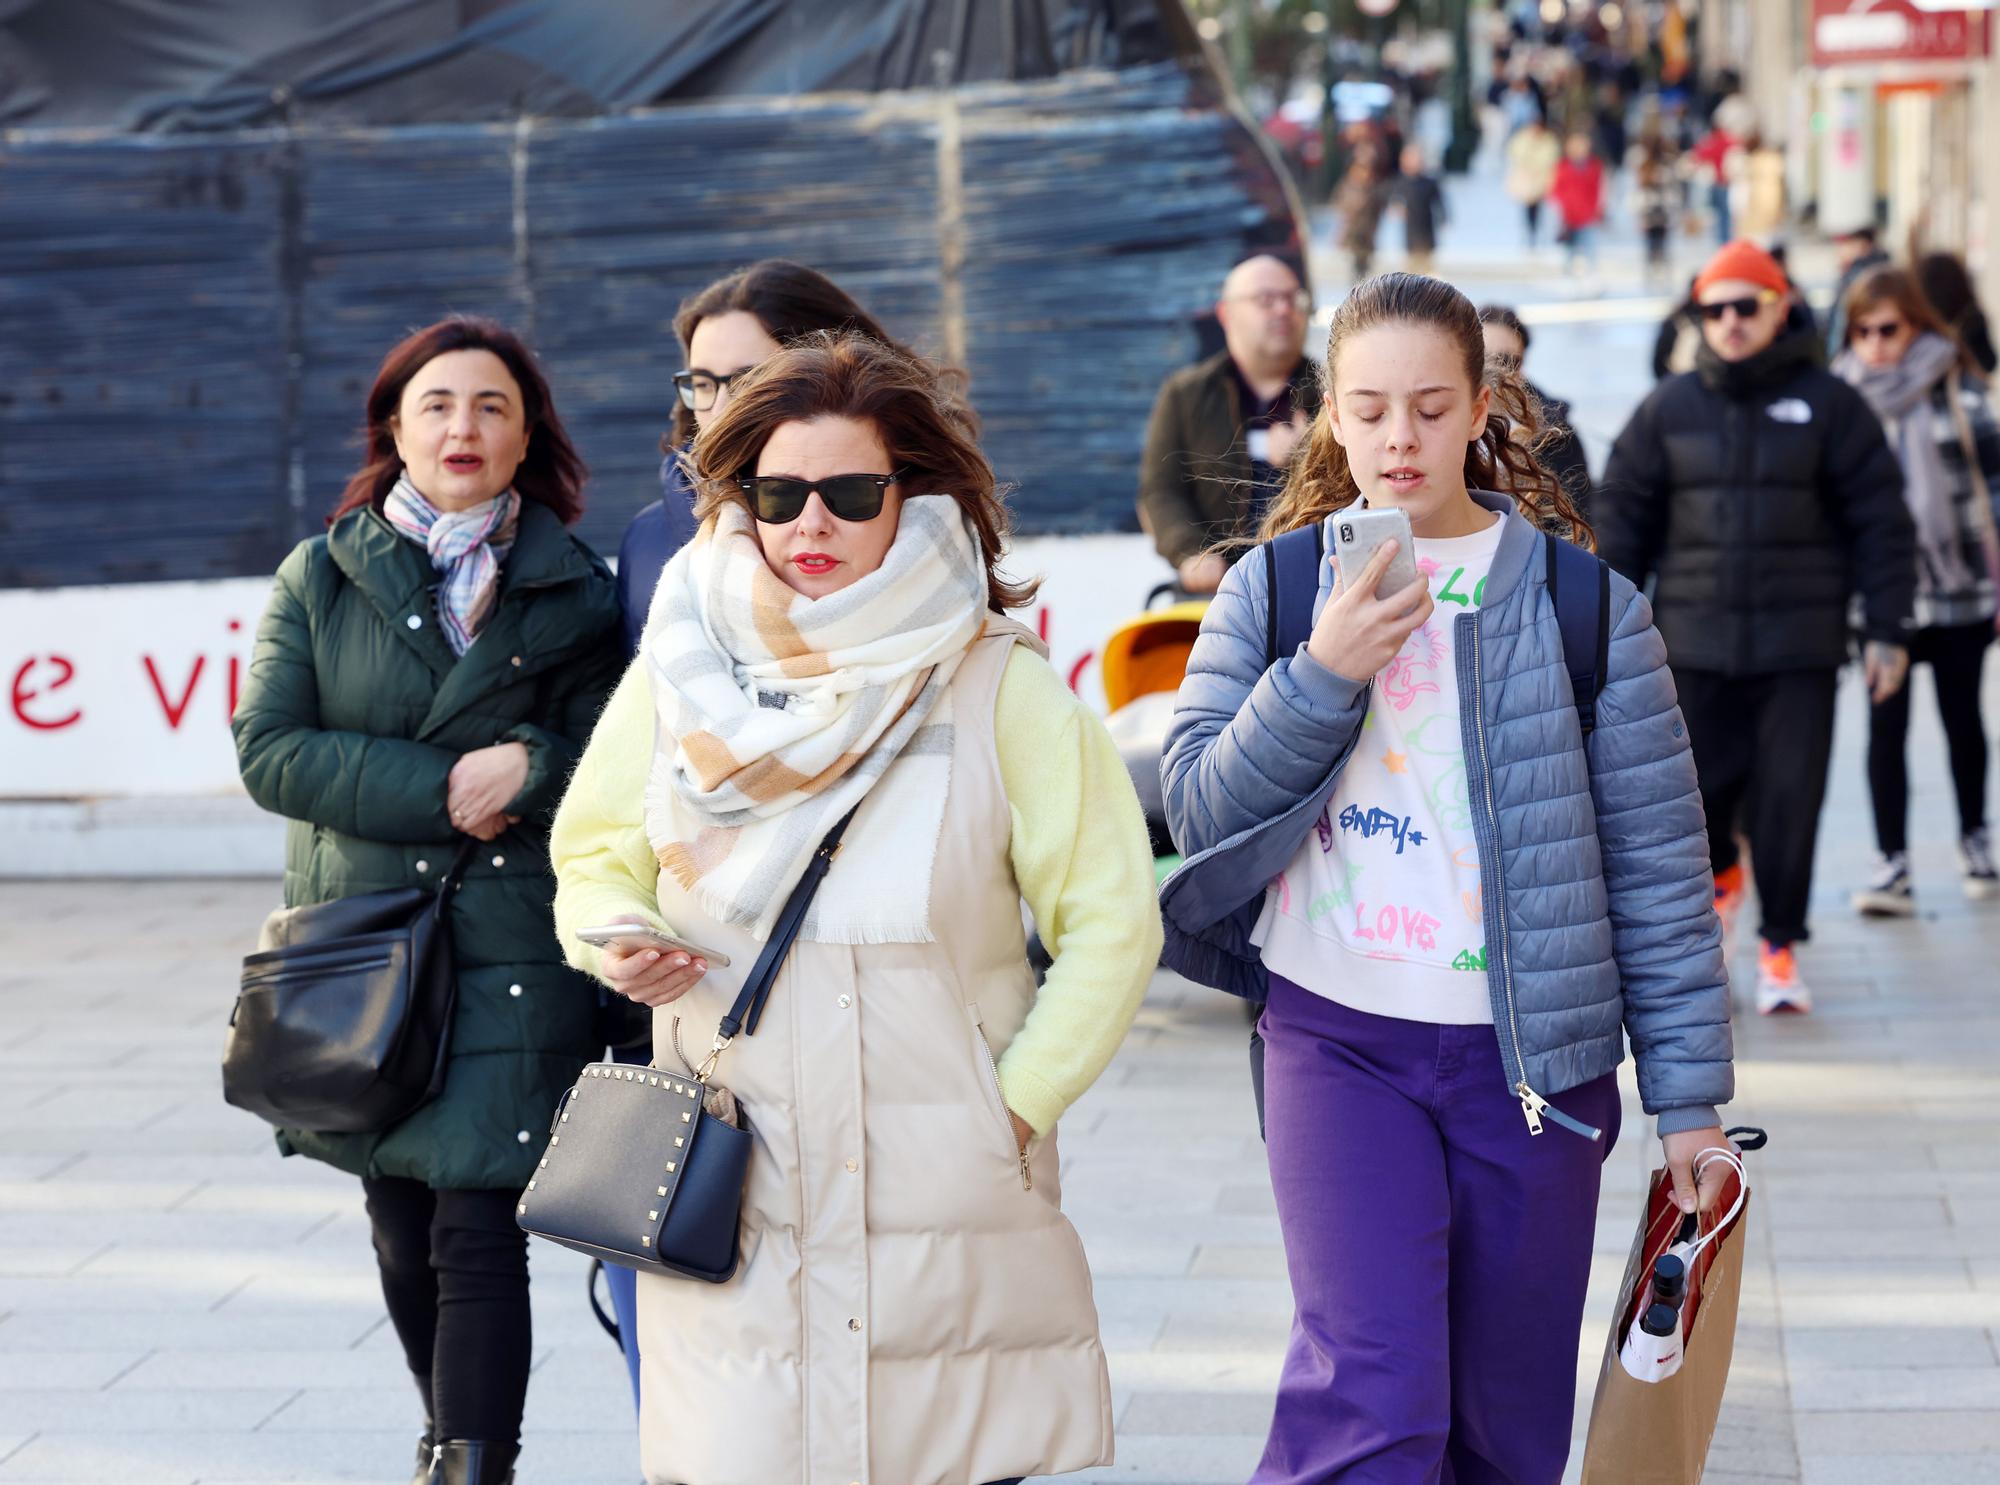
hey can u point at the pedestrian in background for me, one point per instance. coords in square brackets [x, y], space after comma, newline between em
[1222, 431]
[1556, 446]
[1948, 287]
[1858, 254]
[1578, 192]
[1532, 156]
[724, 331]
[1759, 494]
[1654, 193]
[1923, 386]
[1359, 202]
[426, 670]
[1419, 196]
[1440, 989]
[911, 1305]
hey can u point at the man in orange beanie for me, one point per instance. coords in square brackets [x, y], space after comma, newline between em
[1759, 493]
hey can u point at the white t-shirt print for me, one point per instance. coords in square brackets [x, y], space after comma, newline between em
[1380, 910]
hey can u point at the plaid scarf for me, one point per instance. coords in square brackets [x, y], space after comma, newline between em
[467, 546]
[778, 713]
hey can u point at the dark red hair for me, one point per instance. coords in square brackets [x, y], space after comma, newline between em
[553, 472]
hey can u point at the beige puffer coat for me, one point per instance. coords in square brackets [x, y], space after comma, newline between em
[912, 1307]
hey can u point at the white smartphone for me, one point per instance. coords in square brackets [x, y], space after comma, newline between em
[1357, 533]
[636, 936]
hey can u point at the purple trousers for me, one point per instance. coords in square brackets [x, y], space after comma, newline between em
[1438, 1252]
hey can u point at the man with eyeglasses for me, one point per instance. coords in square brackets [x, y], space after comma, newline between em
[1223, 431]
[1759, 495]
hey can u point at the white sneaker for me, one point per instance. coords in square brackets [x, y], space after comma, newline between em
[1888, 893]
[1779, 987]
[1975, 859]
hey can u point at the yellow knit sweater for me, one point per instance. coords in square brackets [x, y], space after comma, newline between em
[1078, 847]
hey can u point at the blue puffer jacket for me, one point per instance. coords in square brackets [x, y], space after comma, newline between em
[1606, 916]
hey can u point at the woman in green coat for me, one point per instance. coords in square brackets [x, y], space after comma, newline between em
[429, 670]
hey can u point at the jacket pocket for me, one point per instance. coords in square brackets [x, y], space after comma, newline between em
[996, 1101]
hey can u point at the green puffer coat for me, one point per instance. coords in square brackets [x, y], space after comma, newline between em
[353, 713]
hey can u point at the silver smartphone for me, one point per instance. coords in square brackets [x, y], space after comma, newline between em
[1357, 533]
[636, 936]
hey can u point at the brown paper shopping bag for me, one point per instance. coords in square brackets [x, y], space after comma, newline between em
[1657, 1433]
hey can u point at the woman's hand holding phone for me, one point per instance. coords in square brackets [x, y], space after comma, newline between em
[652, 977]
[1357, 634]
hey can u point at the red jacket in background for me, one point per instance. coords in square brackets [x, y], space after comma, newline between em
[1578, 192]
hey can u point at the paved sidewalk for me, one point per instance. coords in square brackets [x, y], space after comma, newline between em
[177, 1305]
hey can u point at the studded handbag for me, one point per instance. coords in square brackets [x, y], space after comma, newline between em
[640, 1170]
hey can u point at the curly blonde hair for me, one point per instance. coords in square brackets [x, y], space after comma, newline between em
[1502, 458]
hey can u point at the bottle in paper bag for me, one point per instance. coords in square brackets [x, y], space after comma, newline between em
[1652, 1349]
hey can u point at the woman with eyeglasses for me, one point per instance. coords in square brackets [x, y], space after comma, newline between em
[1928, 392]
[725, 331]
[912, 1305]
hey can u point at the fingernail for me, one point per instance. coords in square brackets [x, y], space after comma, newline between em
[1687, 1203]
[701, 965]
[651, 955]
[680, 961]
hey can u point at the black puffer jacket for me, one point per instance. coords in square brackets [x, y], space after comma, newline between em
[1761, 495]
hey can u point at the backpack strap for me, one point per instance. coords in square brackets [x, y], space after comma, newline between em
[1580, 588]
[1291, 573]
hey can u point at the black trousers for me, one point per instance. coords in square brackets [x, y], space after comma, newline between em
[455, 1276]
[1956, 656]
[1761, 745]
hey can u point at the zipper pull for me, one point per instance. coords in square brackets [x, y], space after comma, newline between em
[1027, 1179]
[1533, 1106]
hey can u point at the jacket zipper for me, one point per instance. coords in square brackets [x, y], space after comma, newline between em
[1534, 1107]
[993, 1073]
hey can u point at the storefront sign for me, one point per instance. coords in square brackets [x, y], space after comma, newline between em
[1857, 31]
[120, 692]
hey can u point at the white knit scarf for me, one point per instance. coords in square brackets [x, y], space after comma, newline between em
[778, 713]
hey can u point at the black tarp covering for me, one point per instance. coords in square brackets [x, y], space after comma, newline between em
[223, 64]
[188, 323]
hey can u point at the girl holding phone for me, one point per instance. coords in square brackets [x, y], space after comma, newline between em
[1470, 904]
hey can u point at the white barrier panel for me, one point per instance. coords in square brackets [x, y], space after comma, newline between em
[126, 691]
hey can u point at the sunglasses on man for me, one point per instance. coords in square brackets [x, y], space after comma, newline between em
[778, 500]
[1745, 308]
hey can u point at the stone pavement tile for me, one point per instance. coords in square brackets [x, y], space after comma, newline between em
[22, 1371]
[294, 1370]
[1197, 1413]
[97, 1411]
[1882, 1243]
[1811, 1348]
[1942, 1388]
[1238, 1261]
[1154, 1459]
[146, 1330]
[1893, 1432]
[1898, 1469]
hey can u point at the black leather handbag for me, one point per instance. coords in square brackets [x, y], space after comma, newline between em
[637, 1171]
[343, 1022]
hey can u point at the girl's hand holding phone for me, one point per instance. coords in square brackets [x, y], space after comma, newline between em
[1357, 634]
[650, 976]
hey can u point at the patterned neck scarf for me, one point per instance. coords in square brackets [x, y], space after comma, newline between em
[467, 546]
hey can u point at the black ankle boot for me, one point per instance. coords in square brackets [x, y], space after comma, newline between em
[426, 1460]
[476, 1462]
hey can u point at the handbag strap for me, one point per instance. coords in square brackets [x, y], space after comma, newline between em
[454, 876]
[749, 1007]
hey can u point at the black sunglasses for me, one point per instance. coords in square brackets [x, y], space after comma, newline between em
[1744, 309]
[777, 499]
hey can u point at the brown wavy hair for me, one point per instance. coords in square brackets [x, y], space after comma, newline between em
[1900, 288]
[551, 474]
[904, 397]
[791, 301]
[1502, 458]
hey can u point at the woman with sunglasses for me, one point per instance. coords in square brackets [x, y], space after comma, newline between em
[724, 331]
[912, 1305]
[1928, 393]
